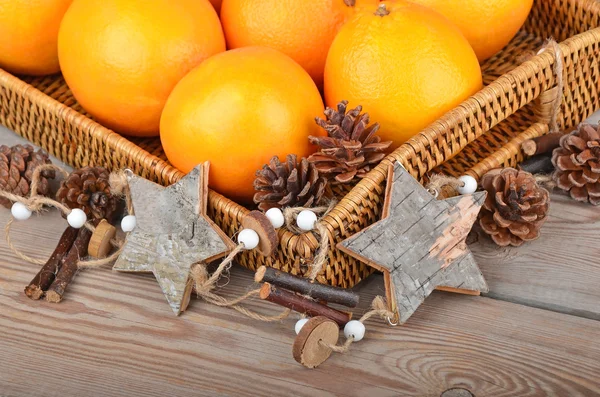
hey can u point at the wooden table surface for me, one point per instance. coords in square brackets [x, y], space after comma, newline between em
[537, 333]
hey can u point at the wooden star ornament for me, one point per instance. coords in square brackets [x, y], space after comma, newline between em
[172, 233]
[419, 244]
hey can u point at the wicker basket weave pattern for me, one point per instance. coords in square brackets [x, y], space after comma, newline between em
[482, 133]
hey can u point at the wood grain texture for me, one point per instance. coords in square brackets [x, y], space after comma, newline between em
[113, 335]
[172, 233]
[419, 243]
[560, 271]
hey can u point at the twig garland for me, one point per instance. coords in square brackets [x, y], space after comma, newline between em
[62, 266]
[36, 203]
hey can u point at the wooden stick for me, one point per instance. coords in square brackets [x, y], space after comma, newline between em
[302, 305]
[68, 268]
[44, 278]
[540, 164]
[303, 286]
[529, 147]
[541, 144]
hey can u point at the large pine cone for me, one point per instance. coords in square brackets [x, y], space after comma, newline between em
[17, 164]
[577, 163]
[89, 190]
[288, 184]
[351, 148]
[515, 207]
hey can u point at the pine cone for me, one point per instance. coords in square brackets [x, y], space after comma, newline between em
[17, 164]
[89, 190]
[351, 148]
[288, 184]
[515, 207]
[577, 163]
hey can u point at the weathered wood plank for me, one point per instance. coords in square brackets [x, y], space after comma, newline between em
[560, 271]
[113, 335]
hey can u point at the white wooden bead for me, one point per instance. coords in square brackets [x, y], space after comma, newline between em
[299, 324]
[249, 238]
[76, 218]
[276, 217]
[128, 223]
[470, 185]
[306, 220]
[20, 211]
[356, 329]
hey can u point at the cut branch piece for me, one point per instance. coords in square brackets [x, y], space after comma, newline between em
[305, 287]
[300, 304]
[267, 234]
[44, 278]
[311, 345]
[68, 268]
[541, 144]
[100, 244]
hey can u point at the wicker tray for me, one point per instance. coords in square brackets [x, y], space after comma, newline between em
[482, 133]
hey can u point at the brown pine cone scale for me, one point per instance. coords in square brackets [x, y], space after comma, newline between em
[288, 184]
[17, 164]
[351, 147]
[515, 208]
[89, 190]
[577, 163]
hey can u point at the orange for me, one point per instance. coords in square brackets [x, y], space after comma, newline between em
[488, 25]
[237, 110]
[216, 4]
[28, 34]
[302, 29]
[405, 64]
[122, 58]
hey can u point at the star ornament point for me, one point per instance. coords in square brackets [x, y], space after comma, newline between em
[419, 244]
[172, 233]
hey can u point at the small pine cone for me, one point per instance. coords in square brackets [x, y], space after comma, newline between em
[288, 184]
[89, 190]
[515, 207]
[17, 164]
[351, 147]
[577, 163]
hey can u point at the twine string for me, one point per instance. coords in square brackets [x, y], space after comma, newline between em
[320, 259]
[438, 181]
[554, 47]
[378, 308]
[204, 285]
[36, 203]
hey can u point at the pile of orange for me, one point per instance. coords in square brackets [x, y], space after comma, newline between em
[162, 67]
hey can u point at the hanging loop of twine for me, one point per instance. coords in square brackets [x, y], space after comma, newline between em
[205, 284]
[36, 203]
[443, 186]
[378, 308]
[320, 259]
[553, 47]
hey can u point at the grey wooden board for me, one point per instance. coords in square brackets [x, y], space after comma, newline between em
[560, 271]
[114, 336]
[420, 244]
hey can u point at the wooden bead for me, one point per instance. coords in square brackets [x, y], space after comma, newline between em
[99, 245]
[258, 222]
[76, 218]
[20, 211]
[307, 350]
